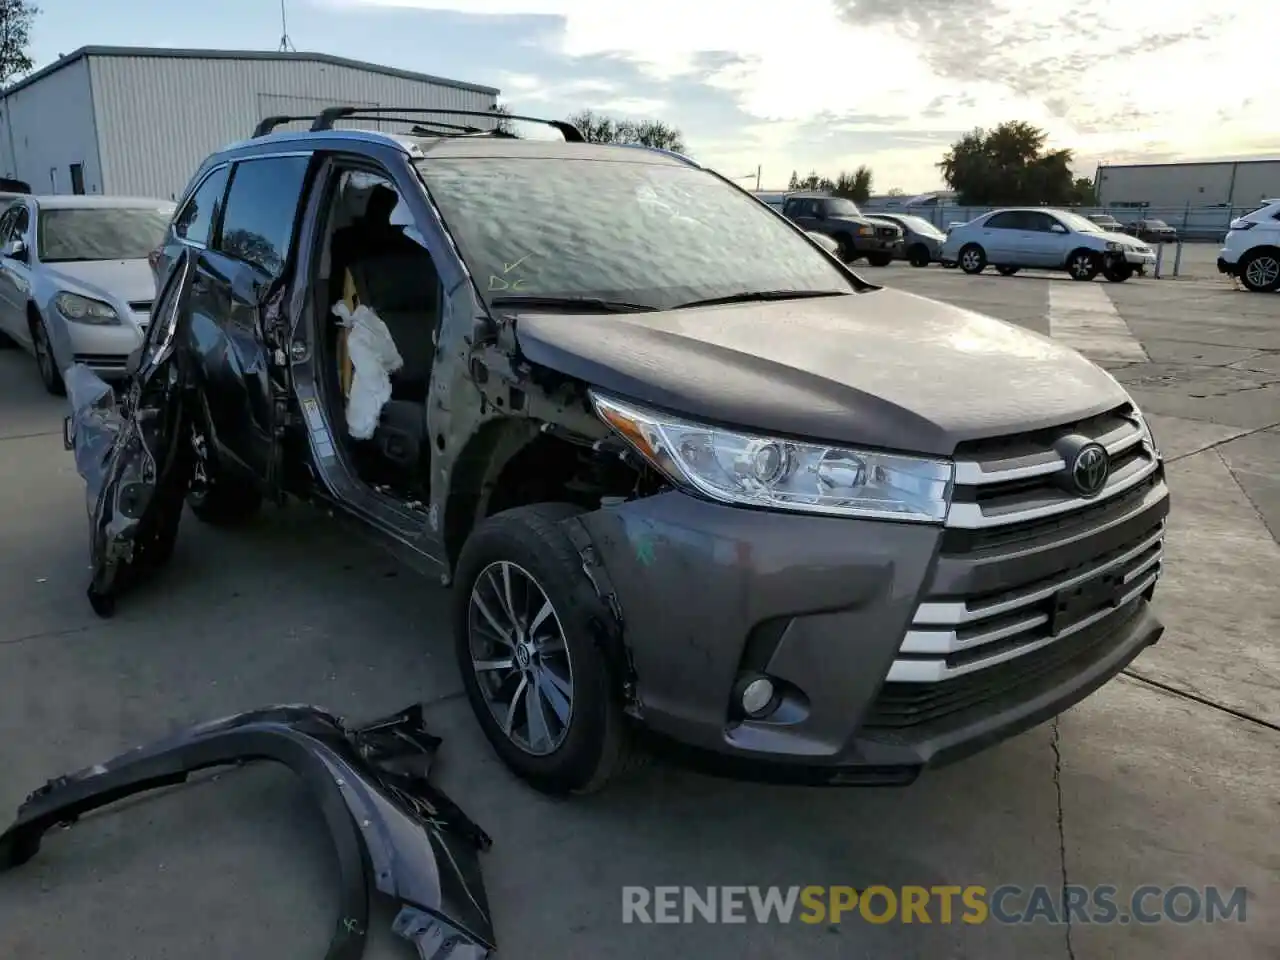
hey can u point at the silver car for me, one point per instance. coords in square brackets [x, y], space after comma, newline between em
[75, 282]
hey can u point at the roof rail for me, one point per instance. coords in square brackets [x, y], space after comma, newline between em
[327, 117]
[267, 124]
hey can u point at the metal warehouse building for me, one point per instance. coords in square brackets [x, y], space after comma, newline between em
[1228, 183]
[130, 121]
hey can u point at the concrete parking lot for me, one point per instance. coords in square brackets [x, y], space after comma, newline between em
[1169, 775]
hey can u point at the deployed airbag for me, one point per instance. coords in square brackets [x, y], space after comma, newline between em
[374, 357]
[391, 828]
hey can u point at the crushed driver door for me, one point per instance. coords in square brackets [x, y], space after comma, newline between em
[134, 451]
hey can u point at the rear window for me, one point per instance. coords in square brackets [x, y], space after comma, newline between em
[655, 234]
[103, 233]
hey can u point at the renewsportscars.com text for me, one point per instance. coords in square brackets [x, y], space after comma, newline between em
[1008, 904]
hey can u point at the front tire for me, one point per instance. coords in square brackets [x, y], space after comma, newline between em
[918, 255]
[1083, 265]
[529, 633]
[1007, 271]
[973, 259]
[45, 361]
[879, 259]
[1118, 274]
[1260, 271]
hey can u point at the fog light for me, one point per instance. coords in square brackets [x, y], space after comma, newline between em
[757, 696]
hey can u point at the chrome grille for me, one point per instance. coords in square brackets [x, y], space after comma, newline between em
[887, 233]
[1018, 479]
[1012, 518]
[949, 638]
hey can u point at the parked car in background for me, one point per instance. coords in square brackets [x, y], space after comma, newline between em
[1152, 231]
[75, 285]
[1107, 222]
[921, 240]
[1045, 239]
[856, 235]
[8, 185]
[825, 242]
[1251, 250]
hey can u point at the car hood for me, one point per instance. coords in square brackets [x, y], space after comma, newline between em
[128, 280]
[883, 368]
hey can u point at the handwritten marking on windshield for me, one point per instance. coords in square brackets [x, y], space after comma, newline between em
[499, 283]
[508, 267]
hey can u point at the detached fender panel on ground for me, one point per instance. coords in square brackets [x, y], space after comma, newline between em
[390, 827]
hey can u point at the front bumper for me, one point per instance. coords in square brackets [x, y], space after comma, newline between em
[103, 349]
[885, 245]
[825, 607]
[1140, 260]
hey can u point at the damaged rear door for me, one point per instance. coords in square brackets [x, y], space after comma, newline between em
[241, 324]
[133, 450]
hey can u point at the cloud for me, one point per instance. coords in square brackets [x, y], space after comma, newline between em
[1101, 77]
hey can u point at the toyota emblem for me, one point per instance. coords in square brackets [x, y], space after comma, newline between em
[1090, 469]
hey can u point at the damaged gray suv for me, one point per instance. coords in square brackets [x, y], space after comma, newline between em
[689, 476]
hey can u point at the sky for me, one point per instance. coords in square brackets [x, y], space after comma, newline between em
[783, 85]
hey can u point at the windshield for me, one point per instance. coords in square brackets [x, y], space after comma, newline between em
[840, 207]
[657, 235]
[921, 225]
[1076, 222]
[102, 233]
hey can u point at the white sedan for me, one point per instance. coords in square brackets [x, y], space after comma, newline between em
[75, 283]
[1042, 238]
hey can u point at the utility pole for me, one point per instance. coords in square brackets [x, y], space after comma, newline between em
[286, 45]
[757, 178]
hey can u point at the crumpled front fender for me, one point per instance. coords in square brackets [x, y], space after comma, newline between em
[390, 827]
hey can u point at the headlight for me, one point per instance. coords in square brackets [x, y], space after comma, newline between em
[866, 231]
[83, 310]
[779, 474]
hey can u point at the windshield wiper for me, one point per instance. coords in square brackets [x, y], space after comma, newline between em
[760, 295]
[586, 304]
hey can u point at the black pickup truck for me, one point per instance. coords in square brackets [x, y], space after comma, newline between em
[857, 235]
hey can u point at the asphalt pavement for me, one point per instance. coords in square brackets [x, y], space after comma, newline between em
[1169, 775]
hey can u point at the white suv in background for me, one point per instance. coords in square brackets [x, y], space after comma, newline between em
[1252, 249]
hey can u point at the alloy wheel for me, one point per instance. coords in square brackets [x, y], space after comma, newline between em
[1262, 271]
[520, 658]
[1081, 264]
[971, 260]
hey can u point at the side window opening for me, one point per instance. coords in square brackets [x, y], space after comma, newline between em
[194, 222]
[369, 259]
[260, 212]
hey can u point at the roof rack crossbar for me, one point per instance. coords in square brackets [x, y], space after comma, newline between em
[328, 116]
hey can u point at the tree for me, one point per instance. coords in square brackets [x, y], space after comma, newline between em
[854, 186]
[16, 17]
[812, 183]
[597, 128]
[896, 192]
[1085, 194]
[504, 126]
[1008, 165]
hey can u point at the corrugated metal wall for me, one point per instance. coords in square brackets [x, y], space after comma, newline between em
[159, 117]
[1194, 184]
[47, 127]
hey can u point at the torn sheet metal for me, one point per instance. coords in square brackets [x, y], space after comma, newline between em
[133, 453]
[391, 828]
[374, 357]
